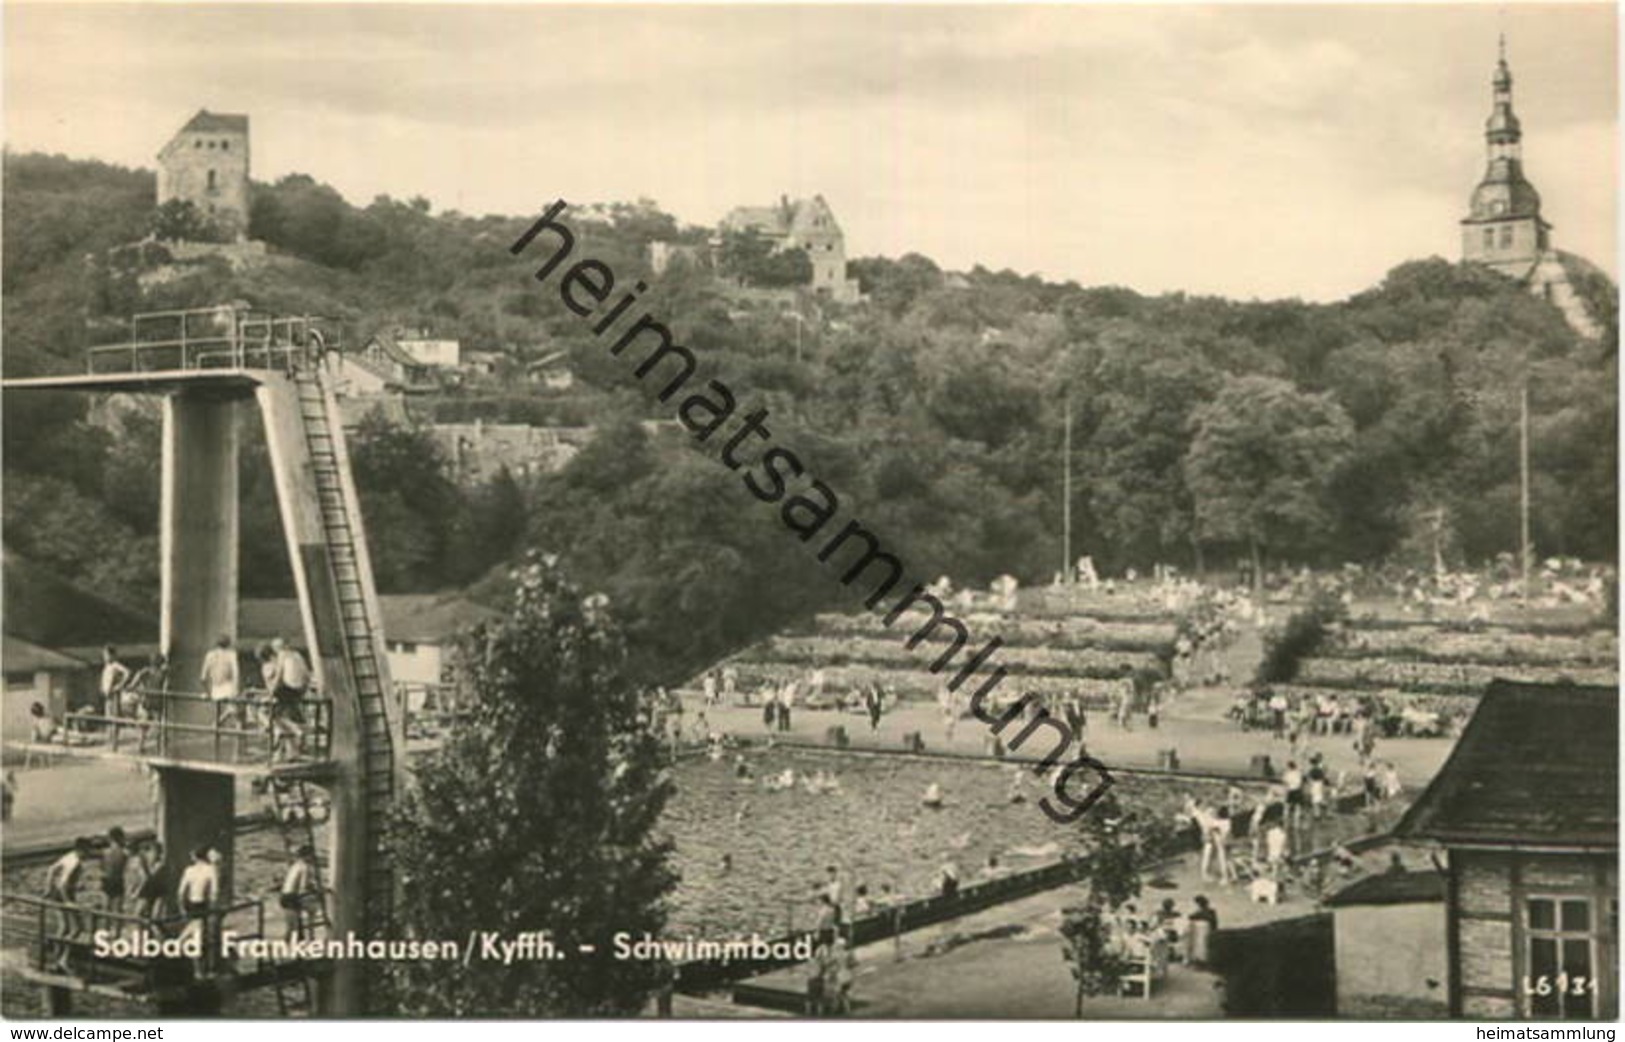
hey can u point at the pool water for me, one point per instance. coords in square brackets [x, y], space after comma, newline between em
[875, 829]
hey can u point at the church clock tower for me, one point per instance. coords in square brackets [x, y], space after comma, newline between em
[1503, 227]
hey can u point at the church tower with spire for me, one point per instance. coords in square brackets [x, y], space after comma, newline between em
[1503, 227]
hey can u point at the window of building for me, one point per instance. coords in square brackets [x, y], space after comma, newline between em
[225, 146]
[1560, 957]
[1489, 238]
[212, 185]
[1506, 236]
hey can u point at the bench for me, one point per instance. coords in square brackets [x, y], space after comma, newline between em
[1150, 962]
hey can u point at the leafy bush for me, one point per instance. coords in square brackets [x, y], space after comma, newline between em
[1299, 637]
[179, 220]
[753, 259]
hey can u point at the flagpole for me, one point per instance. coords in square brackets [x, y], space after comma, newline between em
[1523, 486]
[1066, 492]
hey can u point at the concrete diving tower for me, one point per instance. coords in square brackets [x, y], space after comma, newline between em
[212, 367]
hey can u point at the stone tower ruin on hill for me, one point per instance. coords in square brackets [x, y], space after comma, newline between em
[206, 164]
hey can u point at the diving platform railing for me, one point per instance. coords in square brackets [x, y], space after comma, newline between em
[131, 956]
[429, 710]
[224, 337]
[237, 734]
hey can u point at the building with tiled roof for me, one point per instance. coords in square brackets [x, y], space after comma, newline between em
[53, 636]
[478, 451]
[1527, 807]
[419, 629]
[806, 224]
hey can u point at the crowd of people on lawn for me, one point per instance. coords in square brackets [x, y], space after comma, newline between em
[1554, 582]
[1294, 716]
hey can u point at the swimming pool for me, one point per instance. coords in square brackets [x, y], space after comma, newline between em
[875, 829]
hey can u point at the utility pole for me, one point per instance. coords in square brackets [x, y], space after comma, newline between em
[1066, 492]
[1526, 547]
[1523, 485]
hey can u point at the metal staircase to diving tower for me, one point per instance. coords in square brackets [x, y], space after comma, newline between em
[359, 618]
[214, 370]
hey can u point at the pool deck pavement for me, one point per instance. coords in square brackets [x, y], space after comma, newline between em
[1194, 723]
[1016, 969]
[74, 797]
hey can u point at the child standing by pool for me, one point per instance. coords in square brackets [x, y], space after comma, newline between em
[816, 969]
[950, 715]
[1317, 787]
[842, 963]
[1293, 780]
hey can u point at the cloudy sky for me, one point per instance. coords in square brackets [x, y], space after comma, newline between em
[1249, 151]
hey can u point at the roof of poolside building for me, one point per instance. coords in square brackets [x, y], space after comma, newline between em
[1536, 767]
[20, 656]
[422, 618]
[49, 612]
[1390, 888]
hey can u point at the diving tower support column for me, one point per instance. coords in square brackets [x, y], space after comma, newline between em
[198, 595]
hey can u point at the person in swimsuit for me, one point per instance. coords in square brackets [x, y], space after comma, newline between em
[62, 886]
[1292, 778]
[1317, 780]
[296, 885]
[221, 681]
[41, 731]
[292, 685]
[115, 860]
[200, 886]
[154, 888]
[871, 703]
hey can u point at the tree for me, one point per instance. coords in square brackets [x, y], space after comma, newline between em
[893, 286]
[1117, 844]
[742, 252]
[537, 814]
[313, 221]
[179, 220]
[1261, 463]
[753, 259]
[409, 501]
[1134, 411]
